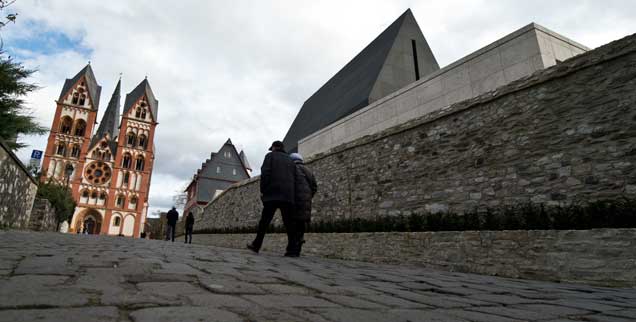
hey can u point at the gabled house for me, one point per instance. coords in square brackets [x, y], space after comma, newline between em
[224, 168]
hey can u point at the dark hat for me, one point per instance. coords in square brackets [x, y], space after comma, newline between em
[277, 144]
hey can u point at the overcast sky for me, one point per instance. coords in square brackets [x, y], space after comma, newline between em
[242, 69]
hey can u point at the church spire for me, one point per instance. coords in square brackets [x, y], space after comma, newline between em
[110, 118]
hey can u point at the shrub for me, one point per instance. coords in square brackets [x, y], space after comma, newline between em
[619, 213]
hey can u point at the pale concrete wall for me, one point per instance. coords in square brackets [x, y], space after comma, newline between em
[597, 256]
[517, 55]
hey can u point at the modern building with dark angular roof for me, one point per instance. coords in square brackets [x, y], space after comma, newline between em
[224, 168]
[399, 56]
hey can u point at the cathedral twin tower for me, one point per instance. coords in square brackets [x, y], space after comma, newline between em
[107, 172]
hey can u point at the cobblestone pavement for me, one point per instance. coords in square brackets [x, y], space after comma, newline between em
[57, 277]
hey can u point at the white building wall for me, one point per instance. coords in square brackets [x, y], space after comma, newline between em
[517, 55]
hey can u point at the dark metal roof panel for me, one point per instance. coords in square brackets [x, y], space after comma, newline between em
[110, 120]
[347, 91]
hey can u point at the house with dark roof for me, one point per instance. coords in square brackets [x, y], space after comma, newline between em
[399, 56]
[224, 168]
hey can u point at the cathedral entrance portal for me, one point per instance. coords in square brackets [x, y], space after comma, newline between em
[90, 222]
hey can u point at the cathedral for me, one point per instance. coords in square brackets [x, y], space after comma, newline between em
[108, 170]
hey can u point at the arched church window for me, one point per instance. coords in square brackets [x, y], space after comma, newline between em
[117, 221]
[94, 195]
[143, 113]
[138, 112]
[131, 139]
[102, 196]
[125, 162]
[120, 201]
[82, 100]
[65, 125]
[80, 127]
[142, 141]
[126, 179]
[75, 98]
[139, 165]
[133, 203]
[84, 198]
[75, 151]
[61, 149]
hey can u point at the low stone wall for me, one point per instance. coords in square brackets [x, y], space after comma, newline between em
[17, 190]
[43, 216]
[598, 257]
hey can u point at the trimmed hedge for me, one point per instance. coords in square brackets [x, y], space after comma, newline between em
[597, 214]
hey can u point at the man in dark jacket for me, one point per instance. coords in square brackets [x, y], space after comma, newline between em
[277, 192]
[189, 226]
[172, 218]
[305, 189]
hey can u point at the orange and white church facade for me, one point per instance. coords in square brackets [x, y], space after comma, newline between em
[109, 169]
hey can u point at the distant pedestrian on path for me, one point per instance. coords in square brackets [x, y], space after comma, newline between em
[277, 192]
[304, 190]
[189, 226]
[172, 217]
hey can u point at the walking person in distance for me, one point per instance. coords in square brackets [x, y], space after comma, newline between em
[277, 192]
[189, 226]
[172, 217]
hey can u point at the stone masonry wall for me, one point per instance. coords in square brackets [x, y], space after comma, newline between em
[599, 256]
[43, 216]
[17, 190]
[563, 134]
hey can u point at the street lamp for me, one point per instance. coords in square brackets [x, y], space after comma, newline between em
[68, 171]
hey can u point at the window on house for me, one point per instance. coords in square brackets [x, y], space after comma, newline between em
[139, 166]
[126, 160]
[82, 100]
[117, 221]
[218, 169]
[415, 63]
[226, 154]
[131, 139]
[65, 125]
[234, 171]
[80, 127]
[75, 98]
[75, 151]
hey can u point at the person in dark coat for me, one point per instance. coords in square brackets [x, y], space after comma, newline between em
[189, 226]
[305, 189]
[277, 192]
[172, 217]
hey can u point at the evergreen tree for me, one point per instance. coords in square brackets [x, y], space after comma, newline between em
[14, 117]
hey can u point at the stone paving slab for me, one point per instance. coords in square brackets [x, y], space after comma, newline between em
[65, 277]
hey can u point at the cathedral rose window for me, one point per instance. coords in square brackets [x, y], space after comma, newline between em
[98, 172]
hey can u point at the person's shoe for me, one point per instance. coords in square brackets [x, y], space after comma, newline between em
[253, 248]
